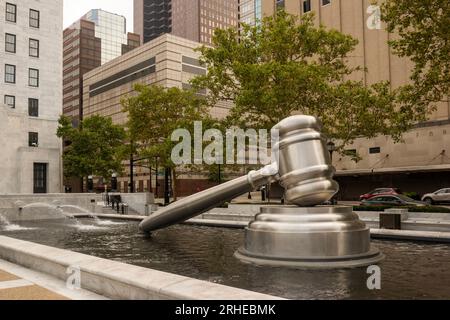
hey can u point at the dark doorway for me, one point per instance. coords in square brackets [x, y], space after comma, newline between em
[40, 178]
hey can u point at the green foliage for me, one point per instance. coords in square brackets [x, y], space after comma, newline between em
[286, 65]
[412, 195]
[155, 113]
[95, 149]
[423, 29]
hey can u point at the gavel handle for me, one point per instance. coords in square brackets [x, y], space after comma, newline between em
[201, 202]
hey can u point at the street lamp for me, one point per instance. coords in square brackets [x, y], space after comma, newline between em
[90, 184]
[114, 182]
[331, 146]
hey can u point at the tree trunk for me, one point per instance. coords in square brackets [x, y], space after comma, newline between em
[174, 184]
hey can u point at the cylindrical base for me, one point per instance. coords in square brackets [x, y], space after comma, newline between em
[316, 237]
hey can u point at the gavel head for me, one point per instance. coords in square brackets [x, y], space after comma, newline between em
[304, 163]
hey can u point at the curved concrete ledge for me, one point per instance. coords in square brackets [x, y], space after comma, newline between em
[118, 280]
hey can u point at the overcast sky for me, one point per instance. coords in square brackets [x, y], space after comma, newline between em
[74, 9]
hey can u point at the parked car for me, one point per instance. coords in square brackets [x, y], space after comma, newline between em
[379, 191]
[392, 200]
[440, 196]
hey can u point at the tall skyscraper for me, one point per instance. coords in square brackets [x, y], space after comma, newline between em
[30, 95]
[194, 20]
[250, 11]
[93, 40]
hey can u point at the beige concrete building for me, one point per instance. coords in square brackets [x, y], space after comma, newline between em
[168, 61]
[422, 162]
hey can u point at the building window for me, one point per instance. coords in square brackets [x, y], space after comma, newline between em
[34, 18]
[33, 107]
[10, 101]
[10, 43]
[34, 48]
[325, 2]
[10, 73]
[306, 6]
[375, 150]
[11, 12]
[280, 4]
[33, 77]
[33, 139]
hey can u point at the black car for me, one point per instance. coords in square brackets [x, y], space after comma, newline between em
[392, 200]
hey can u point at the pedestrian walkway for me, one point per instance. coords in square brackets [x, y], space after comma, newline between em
[19, 283]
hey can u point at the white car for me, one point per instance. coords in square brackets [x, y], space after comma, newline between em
[440, 196]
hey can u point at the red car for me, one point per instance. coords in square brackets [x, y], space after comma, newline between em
[380, 191]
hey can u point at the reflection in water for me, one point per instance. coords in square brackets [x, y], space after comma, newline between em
[410, 270]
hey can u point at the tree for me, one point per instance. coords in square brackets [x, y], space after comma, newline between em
[286, 65]
[94, 149]
[423, 29]
[154, 114]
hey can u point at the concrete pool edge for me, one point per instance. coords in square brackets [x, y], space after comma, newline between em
[117, 280]
[407, 235]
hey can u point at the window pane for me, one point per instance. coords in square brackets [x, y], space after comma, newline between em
[306, 6]
[10, 43]
[33, 78]
[10, 101]
[325, 2]
[33, 139]
[33, 107]
[11, 12]
[34, 18]
[10, 73]
[34, 48]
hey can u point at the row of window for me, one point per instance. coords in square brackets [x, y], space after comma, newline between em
[10, 75]
[352, 152]
[33, 105]
[11, 45]
[11, 15]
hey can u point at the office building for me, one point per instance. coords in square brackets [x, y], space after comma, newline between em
[194, 20]
[422, 162]
[167, 61]
[30, 96]
[93, 40]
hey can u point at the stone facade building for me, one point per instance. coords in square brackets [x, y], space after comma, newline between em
[30, 96]
[168, 61]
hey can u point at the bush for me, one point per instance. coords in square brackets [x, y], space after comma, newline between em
[431, 209]
[413, 195]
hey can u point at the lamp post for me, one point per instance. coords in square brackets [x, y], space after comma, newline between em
[331, 146]
[114, 182]
[220, 174]
[90, 184]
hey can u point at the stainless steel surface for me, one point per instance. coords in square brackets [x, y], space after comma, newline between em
[189, 207]
[303, 167]
[318, 237]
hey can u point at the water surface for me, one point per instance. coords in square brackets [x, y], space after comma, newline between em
[410, 271]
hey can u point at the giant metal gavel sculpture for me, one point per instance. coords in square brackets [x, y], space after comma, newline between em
[303, 169]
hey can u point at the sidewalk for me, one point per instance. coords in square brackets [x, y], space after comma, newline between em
[19, 283]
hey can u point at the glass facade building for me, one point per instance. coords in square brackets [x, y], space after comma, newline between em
[111, 29]
[250, 11]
